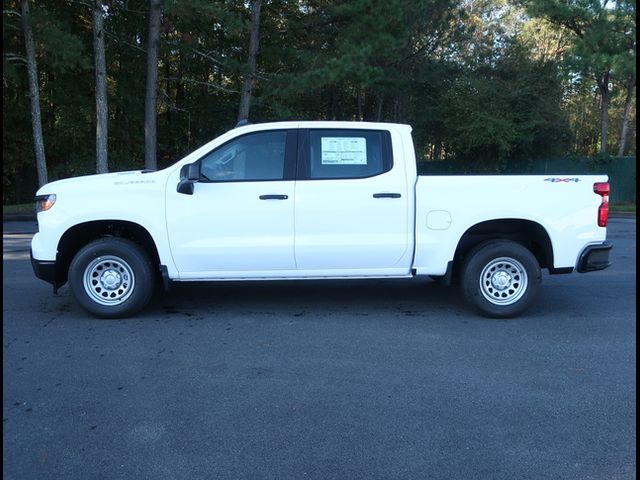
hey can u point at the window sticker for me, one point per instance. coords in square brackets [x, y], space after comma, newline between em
[344, 151]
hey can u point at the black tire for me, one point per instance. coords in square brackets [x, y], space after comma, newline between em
[500, 278]
[112, 278]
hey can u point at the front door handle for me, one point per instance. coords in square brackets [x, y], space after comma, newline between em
[386, 195]
[273, 197]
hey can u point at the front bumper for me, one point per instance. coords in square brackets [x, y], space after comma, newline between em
[595, 257]
[46, 270]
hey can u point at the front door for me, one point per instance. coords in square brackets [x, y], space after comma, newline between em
[239, 222]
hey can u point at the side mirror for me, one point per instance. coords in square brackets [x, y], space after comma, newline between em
[185, 186]
[189, 174]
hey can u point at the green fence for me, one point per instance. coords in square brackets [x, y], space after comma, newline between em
[621, 171]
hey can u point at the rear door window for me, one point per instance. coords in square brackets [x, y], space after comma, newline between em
[345, 153]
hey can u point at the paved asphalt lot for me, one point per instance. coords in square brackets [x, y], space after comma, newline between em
[311, 380]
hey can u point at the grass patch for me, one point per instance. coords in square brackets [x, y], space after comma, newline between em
[20, 208]
[623, 207]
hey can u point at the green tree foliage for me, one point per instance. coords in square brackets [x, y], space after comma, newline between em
[508, 111]
[479, 80]
[602, 45]
[498, 101]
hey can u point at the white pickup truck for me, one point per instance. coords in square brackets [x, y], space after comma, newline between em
[315, 200]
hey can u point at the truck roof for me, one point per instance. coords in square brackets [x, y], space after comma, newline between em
[320, 124]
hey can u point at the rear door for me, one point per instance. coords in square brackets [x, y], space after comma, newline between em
[352, 204]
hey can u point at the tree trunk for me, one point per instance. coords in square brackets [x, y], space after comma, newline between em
[254, 43]
[603, 86]
[437, 151]
[624, 134]
[102, 110]
[36, 118]
[379, 109]
[171, 108]
[155, 15]
[333, 108]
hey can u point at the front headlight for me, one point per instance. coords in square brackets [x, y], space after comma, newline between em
[45, 202]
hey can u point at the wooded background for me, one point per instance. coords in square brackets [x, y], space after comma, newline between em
[106, 85]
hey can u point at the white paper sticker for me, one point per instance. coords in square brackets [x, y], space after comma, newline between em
[344, 151]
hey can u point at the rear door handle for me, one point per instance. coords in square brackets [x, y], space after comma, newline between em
[273, 197]
[386, 195]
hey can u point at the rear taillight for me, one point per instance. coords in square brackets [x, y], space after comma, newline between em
[602, 189]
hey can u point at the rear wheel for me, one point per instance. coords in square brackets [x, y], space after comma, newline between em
[501, 278]
[111, 278]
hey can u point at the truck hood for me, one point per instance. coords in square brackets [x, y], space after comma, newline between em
[104, 181]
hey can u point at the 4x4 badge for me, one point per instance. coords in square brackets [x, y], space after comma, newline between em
[559, 180]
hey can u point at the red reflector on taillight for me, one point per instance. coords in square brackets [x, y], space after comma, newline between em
[602, 189]
[603, 215]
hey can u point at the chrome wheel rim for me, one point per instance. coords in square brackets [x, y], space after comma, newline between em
[503, 281]
[108, 280]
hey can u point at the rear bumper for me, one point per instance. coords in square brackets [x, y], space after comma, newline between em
[595, 257]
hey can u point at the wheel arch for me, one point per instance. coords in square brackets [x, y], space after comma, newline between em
[529, 234]
[81, 234]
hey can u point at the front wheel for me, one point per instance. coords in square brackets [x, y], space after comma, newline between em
[500, 278]
[111, 278]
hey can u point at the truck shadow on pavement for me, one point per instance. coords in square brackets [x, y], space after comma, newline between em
[409, 297]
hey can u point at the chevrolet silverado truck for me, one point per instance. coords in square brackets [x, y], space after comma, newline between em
[315, 200]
